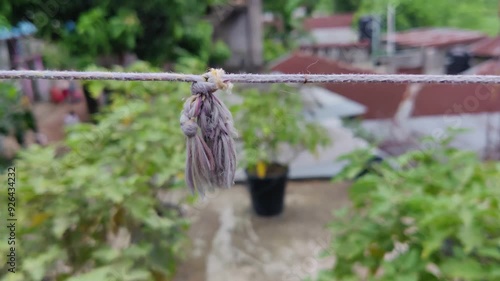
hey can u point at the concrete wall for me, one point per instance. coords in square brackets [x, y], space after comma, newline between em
[434, 61]
[338, 35]
[242, 32]
[350, 55]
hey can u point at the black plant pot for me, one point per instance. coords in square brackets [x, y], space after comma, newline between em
[268, 193]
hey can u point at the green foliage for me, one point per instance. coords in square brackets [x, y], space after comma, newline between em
[440, 206]
[284, 10]
[92, 212]
[220, 53]
[480, 15]
[346, 6]
[56, 56]
[156, 30]
[273, 50]
[98, 34]
[15, 114]
[266, 120]
[9, 106]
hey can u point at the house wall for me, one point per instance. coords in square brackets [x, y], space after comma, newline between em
[242, 32]
[338, 35]
[429, 60]
[234, 33]
[434, 61]
[352, 55]
[483, 134]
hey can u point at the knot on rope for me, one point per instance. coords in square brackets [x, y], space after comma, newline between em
[215, 76]
[208, 125]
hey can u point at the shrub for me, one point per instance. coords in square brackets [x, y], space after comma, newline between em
[93, 213]
[266, 120]
[429, 215]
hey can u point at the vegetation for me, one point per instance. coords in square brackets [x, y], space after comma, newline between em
[273, 50]
[425, 215]
[267, 120]
[16, 117]
[346, 6]
[481, 15]
[284, 11]
[157, 31]
[90, 209]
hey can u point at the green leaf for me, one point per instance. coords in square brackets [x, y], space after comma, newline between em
[470, 233]
[137, 275]
[96, 89]
[102, 273]
[490, 253]
[467, 269]
[36, 265]
[61, 224]
[106, 254]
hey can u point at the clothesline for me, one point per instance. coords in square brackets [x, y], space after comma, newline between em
[252, 78]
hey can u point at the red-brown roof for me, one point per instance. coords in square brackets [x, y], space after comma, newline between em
[437, 37]
[383, 99]
[489, 67]
[488, 47]
[442, 99]
[338, 20]
[446, 99]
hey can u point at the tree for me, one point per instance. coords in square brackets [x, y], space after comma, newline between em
[16, 117]
[431, 214]
[284, 9]
[479, 15]
[346, 6]
[91, 208]
[156, 30]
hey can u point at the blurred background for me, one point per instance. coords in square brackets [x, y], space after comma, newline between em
[335, 181]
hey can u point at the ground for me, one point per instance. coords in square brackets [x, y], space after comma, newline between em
[228, 242]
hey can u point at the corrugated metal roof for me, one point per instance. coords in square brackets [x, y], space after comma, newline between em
[488, 47]
[437, 37]
[382, 99]
[338, 20]
[489, 67]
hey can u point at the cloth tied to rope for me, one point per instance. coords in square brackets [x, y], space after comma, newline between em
[208, 126]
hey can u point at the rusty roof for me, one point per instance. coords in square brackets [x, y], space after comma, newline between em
[382, 99]
[488, 47]
[437, 37]
[337, 20]
[444, 99]
[489, 67]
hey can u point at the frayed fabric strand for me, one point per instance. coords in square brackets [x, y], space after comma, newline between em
[208, 126]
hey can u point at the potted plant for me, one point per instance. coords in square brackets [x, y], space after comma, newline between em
[270, 125]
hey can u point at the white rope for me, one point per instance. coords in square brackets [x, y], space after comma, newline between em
[253, 78]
